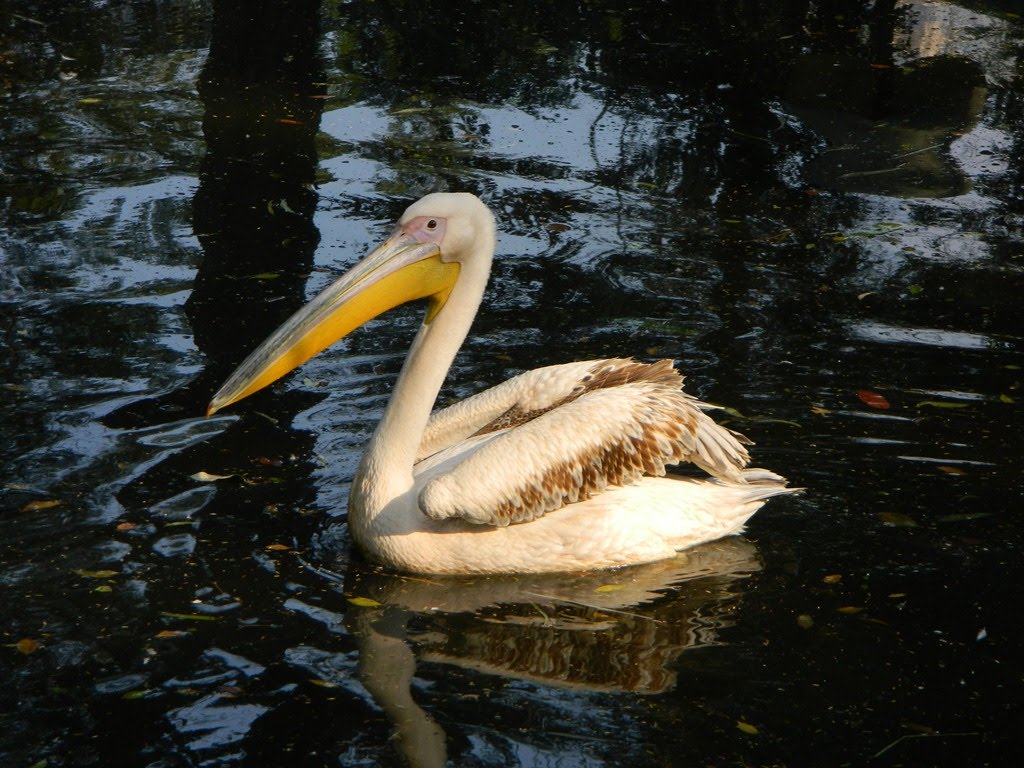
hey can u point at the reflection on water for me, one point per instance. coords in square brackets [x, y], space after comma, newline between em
[618, 631]
[799, 200]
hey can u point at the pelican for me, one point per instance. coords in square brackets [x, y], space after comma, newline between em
[561, 468]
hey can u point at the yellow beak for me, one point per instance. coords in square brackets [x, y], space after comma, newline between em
[400, 270]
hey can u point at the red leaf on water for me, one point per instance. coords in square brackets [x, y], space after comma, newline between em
[873, 399]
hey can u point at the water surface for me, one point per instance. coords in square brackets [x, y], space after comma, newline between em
[815, 206]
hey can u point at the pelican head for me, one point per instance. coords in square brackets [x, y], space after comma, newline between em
[437, 239]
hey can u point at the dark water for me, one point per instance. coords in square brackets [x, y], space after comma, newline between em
[798, 200]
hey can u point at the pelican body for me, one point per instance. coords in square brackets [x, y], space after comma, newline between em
[561, 468]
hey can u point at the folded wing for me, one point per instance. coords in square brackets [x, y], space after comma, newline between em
[609, 435]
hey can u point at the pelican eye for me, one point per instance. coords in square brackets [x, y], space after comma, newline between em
[432, 224]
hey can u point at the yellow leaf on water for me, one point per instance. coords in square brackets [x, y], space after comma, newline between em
[35, 506]
[833, 578]
[747, 728]
[609, 588]
[97, 574]
[804, 621]
[850, 609]
[206, 477]
[897, 519]
[364, 602]
[277, 547]
[27, 645]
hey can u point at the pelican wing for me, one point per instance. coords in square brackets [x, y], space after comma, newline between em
[605, 436]
[533, 393]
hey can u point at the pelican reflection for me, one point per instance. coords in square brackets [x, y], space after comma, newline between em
[607, 631]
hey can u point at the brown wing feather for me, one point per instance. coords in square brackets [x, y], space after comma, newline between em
[604, 436]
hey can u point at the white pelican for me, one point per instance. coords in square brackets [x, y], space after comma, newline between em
[557, 469]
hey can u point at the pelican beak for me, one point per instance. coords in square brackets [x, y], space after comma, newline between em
[400, 270]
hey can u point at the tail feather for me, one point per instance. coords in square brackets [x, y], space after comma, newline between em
[763, 484]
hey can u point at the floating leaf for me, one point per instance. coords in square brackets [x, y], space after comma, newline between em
[27, 645]
[1004, 398]
[189, 616]
[556, 226]
[747, 728]
[97, 574]
[90, 100]
[165, 633]
[323, 683]
[126, 526]
[135, 694]
[897, 519]
[277, 547]
[862, 296]
[265, 276]
[35, 506]
[873, 399]
[609, 588]
[819, 411]
[206, 477]
[941, 404]
[364, 602]
[832, 578]
[289, 121]
[951, 470]
[104, 588]
[850, 609]
[804, 621]
[914, 290]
